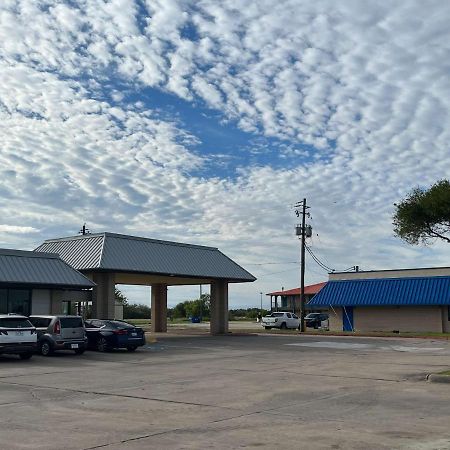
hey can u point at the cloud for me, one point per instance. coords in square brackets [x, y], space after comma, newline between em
[354, 93]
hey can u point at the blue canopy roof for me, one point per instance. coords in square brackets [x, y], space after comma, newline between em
[385, 292]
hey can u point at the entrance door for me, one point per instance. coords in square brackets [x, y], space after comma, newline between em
[347, 318]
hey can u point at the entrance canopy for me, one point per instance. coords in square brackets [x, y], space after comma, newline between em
[137, 260]
[109, 259]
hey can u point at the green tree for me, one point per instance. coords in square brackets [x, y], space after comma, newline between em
[120, 298]
[424, 214]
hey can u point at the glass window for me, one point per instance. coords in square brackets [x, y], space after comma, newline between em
[71, 322]
[3, 301]
[14, 322]
[40, 322]
[19, 301]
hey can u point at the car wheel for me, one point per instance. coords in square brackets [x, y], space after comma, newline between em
[79, 351]
[283, 326]
[25, 355]
[268, 328]
[45, 348]
[102, 345]
[131, 348]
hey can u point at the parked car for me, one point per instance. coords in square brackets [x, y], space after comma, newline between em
[17, 336]
[315, 320]
[105, 335]
[280, 319]
[59, 333]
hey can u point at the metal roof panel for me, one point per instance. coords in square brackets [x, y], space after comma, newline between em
[385, 292]
[22, 267]
[122, 253]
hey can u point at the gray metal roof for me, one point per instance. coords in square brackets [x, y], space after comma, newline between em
[122, 253]
[39, 269]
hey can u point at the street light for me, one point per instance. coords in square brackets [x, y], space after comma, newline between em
[261, 301]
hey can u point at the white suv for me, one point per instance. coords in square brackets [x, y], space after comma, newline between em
[17, 336]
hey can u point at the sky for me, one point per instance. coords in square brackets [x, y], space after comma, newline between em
[205, 122]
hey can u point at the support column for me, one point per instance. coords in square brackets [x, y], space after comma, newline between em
[103, 296]
[159, 308]
[219, 307]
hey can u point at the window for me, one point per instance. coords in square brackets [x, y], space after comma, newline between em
[14, 322]
[448, 313]
[71, 322]
[40, 322]
[15, 301]
[19, 301]
[3, 301]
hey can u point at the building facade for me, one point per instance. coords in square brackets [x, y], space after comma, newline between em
[404, 300]
[39, 283]
[289, 300]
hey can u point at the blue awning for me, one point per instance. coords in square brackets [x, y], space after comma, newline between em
[385, 292]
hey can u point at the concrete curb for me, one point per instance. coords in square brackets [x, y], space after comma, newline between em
[436, 378]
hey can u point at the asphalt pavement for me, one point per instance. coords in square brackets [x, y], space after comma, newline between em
[231, 392]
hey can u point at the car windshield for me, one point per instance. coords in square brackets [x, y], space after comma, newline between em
[277, 314]
[15, 322]
[312, 315]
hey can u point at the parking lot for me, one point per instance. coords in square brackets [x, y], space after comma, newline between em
[255, 391]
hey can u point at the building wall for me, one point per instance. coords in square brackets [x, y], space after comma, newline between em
[335, 319]
[400, 273]
[403, 319]
[41, 301]
[445, 318]
[406, 318]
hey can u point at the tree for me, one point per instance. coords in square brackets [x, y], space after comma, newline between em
[424, 214]
[120, 298]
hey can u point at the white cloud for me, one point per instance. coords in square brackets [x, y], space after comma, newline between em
[362, 87]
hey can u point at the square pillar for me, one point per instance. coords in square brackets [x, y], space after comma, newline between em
[159, 308]
[219, 307]
[103, 296]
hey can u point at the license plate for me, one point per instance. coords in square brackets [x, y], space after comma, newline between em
[133, 334]
[74, 346]
[19, 333]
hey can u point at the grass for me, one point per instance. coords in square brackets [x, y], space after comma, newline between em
[446, 372]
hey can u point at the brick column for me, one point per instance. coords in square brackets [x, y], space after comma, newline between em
[219, 307]
[159, 308]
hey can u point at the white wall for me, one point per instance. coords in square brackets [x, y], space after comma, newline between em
[40, 301]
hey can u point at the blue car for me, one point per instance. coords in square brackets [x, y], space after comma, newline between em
[104, 335]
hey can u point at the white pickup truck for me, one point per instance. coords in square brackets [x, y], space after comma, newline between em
[280, 319]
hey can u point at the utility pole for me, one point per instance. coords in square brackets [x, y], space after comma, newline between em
[302, 234]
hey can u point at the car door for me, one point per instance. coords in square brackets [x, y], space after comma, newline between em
[289, 320]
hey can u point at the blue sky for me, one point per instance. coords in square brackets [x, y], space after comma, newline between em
[204, 122]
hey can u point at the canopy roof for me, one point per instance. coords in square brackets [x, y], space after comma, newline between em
[122, 253]
[385, 292]
[39, 270]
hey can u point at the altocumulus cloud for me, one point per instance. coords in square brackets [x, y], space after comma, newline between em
[362, 86]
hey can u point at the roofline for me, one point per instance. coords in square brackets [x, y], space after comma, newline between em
[354, 280]
[126, 236]
[28, 253]
[389, 270]
[299, 288]
[166, 274]
[35, 285]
